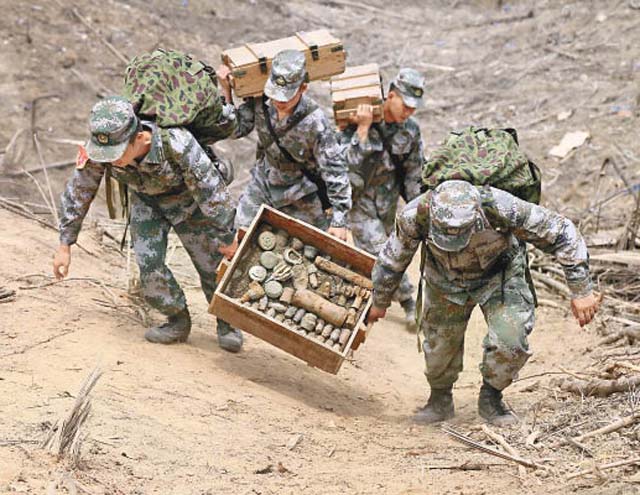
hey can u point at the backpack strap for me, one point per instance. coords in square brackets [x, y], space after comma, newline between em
[315, 178]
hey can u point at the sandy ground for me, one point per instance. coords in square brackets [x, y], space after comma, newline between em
[193, 419]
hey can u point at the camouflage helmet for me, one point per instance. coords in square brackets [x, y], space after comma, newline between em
[288, 72]
[409, 84]
[112, 123]
[454, 215]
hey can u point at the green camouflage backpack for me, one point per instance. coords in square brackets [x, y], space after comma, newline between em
[172, 89]
[484, 156]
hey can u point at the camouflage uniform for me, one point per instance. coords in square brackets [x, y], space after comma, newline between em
[479, 260]
[311, 142]
[374, 179]
[174, 185]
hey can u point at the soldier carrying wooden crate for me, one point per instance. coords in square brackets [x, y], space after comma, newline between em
[385, 162]
[300, 169]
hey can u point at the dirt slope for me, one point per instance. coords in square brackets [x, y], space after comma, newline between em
[193, 419]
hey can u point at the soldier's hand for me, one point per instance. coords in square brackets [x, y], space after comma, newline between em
[229, 250]
[375, 313]
[61, 262]
[223, 73]
[585, 308]
[339, 232]
[363, 118]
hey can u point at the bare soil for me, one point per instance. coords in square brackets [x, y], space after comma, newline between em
[193, 419]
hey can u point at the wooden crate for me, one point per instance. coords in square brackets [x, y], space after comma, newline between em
[356, 85]
[269, 329]
[251, 63]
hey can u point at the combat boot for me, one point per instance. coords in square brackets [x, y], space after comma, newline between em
[409, 306]
[439, 407]
[229, 338]
[492, 409]
[176, 329]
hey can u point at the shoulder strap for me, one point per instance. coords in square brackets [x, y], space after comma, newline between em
[316, 179]
[398, 165]
[292, 123]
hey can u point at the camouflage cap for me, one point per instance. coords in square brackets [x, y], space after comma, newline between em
[454, 214]
[112, 123]
[288, 72]
[409, 83]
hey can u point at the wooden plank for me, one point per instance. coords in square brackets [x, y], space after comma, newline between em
[236, 57]
[320, 37]
[270, 330]
[363, 81]
[357, 71]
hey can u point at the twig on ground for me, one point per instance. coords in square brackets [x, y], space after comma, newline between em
[500, 440]
[615, 426]
[628, 462]
[476, 445]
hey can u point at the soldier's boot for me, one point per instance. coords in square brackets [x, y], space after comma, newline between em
[439, 407]
[492, 408]
[409, 306]
[175, 329]
[229, 338]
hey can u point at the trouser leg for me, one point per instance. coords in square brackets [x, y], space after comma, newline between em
[506, 348]
[149, 233]
[370, 235]
[200, 239]
[443, 327]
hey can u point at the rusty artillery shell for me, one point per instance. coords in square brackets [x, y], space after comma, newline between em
[298, 316]
[336, 347]
[262, 305]
[290, 312]
[326, 331]
[351, 318]
[271, 312]
[335, 335]
[254, 292]
[345, 333]
[287, 294]
[280, 317]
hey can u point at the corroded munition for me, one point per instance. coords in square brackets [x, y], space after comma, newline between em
[341, 271]
[318, 305]
[254, 291]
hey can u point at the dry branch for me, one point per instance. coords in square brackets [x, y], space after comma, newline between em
[615, 426]
[500, 440]
[635, 460]
[598, 387]
[66, 436]
[476, 445]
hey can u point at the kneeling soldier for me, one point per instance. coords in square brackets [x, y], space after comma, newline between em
[175, 185]
[475, 255]
[385, 160]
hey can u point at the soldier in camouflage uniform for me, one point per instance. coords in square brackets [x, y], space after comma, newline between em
[174, 186]
[474, 255]
[385, 161]
[286, 176]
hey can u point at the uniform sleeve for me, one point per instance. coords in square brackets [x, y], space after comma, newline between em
[245, 116]
[224, 124]
[395, 256]
[548, 231]
[413, 167]
[332, 165]
[203, 180]
[76, 200]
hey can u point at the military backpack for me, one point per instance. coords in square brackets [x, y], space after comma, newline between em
[484, 157]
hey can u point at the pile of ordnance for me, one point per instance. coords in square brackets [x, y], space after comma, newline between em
[303, 289]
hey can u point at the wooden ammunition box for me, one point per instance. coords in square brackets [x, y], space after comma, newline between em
[250, 64]
[255, 322]
[356, 85]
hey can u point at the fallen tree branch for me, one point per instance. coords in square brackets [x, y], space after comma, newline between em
[500, 440]
[488, 450]
[604, 467]
[597, 387]
[615, 426]
[631, 333]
